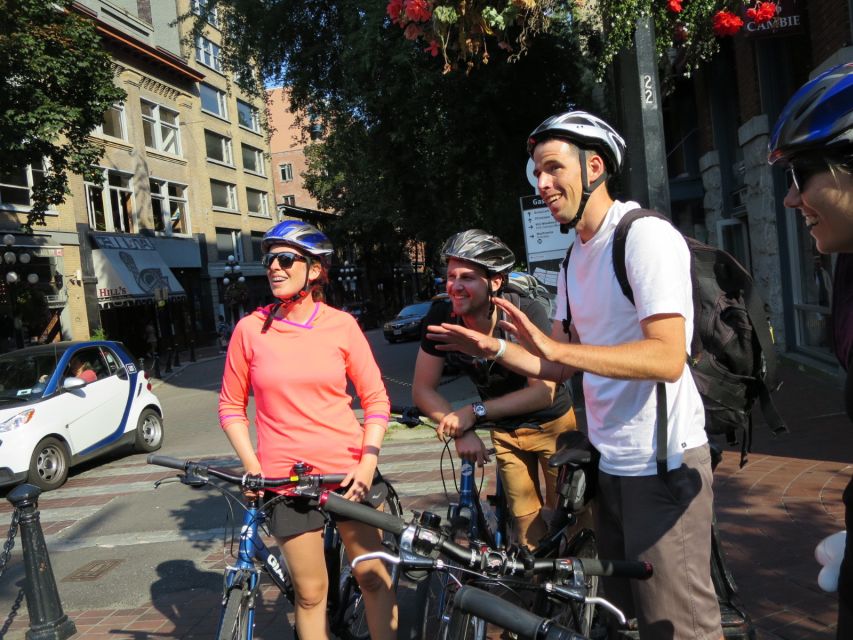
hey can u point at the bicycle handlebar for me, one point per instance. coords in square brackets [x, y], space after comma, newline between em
[411, 417]
[509, 616]
[195, 468]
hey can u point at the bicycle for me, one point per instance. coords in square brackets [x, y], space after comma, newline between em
[345, 607]
[420, 539]
[469, 519]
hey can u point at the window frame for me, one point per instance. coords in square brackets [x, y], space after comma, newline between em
[286, 168]
[165, 197]
[212, 15]
[122, 114]
[236, 236]
[158, 125]
[226, 145]
[289, 200]
[255, 117]
[221, 100]
[106, 200]
[208, 53]
[232, 196]
[259, 159]
[264, 211]
[28, 172]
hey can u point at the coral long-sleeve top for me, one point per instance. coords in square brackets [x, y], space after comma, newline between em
[298, 374]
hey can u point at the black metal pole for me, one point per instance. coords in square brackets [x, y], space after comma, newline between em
[47, 620]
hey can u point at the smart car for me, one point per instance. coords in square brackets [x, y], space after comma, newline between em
[68, 402]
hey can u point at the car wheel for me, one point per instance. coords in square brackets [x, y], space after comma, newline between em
[48, 465]
[149, 431]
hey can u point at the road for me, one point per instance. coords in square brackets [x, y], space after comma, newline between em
[117, 542]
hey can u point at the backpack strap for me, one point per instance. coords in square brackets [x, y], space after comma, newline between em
[567, 321]
[620, 237]
[661, 425]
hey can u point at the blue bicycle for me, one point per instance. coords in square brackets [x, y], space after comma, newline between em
[345, 608]
[488, 523]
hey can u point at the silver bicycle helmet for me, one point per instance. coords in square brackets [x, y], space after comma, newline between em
[585, 131]
[481, 248]
[300, 235]
[588, 133]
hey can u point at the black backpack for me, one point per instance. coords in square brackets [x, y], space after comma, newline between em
[527, 286]
[731, 355]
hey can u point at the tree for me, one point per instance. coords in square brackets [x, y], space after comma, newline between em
[408, 154]
[57, 82]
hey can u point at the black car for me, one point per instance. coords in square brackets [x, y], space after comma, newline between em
[407, 324]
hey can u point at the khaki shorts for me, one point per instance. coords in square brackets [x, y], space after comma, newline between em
[666, 522]
[520, 455]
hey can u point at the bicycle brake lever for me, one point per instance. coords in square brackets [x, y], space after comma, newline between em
[610, 607]
[194, 479]
[376, 555]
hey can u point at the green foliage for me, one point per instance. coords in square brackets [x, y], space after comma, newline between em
[409, 154]
[99, 334]
[57, 83]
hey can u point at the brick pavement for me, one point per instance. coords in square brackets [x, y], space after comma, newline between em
[772, 513]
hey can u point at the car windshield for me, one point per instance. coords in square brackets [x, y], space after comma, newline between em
[24, 376]
[414, 310]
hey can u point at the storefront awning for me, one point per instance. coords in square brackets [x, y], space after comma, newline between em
[131, 271]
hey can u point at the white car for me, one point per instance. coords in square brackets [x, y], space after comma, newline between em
[67, 402]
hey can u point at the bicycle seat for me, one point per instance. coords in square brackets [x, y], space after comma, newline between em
[573, 447]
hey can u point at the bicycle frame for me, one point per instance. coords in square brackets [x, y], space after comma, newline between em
[468, 507]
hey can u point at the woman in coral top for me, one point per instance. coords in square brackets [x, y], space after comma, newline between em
[296, 355]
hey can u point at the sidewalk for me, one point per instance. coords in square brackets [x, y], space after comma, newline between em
[771, 513]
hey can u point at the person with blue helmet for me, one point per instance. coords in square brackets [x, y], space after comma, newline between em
[813, 140]
[297, 356]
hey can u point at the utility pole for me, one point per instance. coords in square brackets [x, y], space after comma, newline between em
[646, 178]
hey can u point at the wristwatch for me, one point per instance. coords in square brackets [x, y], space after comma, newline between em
[479, 410]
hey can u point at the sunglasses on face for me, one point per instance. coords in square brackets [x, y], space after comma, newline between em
[285, 259]
[800, 172]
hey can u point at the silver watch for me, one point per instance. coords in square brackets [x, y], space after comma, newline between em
[479, 410]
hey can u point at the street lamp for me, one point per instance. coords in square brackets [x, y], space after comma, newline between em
[233, 282]
[348, 277]
[15, 261]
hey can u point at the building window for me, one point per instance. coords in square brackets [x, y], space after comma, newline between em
[208, 53]
[169, 206]
[229, 242]
[213, 101]
[110, 204]
[223, 195]
[247, 116]
[114, 123]
[16, 187]
[286, 171]
[200, 8]
[253, 160]
[288, 200]
[218, 148]
[257, 245]
[160, 126]
[257, 202]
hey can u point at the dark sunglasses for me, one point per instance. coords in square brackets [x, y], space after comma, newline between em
[285, 259]
[799, 172]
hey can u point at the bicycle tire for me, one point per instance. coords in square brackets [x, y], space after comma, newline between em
[464, 626]
[234, 624]
[350, 623]
[582, 618]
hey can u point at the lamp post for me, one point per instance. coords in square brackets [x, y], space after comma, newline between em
[401, 274]
[231, 280]
[15, 261]
[348, 277]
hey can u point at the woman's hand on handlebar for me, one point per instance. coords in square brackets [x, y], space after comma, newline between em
[360, 479]
[470, 447]
[455, 423]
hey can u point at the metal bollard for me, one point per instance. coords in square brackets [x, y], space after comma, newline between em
[192, 350]
[47, 620]
[157, 365]
[169, 352]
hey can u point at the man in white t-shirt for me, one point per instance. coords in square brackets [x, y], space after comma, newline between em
[624, 349]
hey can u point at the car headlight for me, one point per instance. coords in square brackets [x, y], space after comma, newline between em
[17, 421]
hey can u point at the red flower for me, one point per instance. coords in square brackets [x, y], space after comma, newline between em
[675, 5]
[726, 24]
[418, 10]
[433, 48]
[394, 9]
[413, 31]
[763, 12]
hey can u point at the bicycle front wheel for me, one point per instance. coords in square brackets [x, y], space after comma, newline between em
[583, 618]
[351, 624]
[235, 614]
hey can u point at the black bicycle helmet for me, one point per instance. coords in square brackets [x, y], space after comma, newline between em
[817, 119]
[588, 133]
[481, 248]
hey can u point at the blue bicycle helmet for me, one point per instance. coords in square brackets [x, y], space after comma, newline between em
[817, 119]
[300, 235]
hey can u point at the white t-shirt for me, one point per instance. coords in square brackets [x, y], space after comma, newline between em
[621, 414]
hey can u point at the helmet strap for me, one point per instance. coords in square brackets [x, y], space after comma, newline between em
[586, 192]
[306, 288]
[270, 317]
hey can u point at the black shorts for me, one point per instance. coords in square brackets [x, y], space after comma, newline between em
[292, 516]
